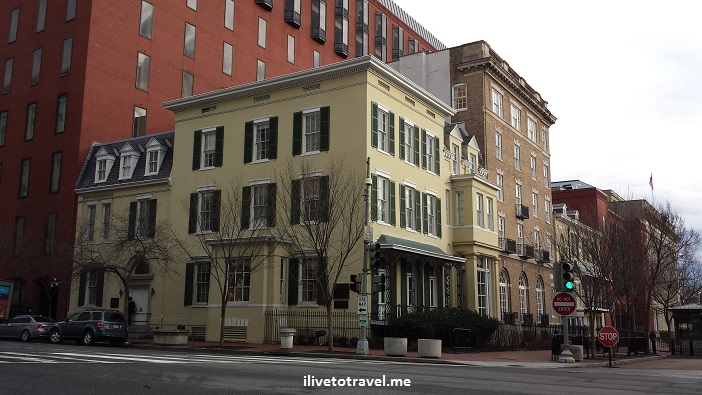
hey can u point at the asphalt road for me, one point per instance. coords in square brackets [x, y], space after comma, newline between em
[72, 369]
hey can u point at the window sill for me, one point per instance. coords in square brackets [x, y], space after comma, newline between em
[431, 172]
[384, 152]
[383, 223]
[237, 302]
[310, 153]
[410, 230]
[203, 232]
[411, 164]
[199, 305]
[206, 168]
[307, 304]
[260, 161]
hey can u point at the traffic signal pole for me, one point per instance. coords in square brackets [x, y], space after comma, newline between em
[362, 344]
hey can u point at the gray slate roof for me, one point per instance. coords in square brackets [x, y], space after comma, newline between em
[86, 179]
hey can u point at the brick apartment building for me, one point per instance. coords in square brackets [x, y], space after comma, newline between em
[75, 72]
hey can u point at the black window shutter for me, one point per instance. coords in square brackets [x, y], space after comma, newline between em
[245, 207]
[297, 133]
[438, 217]
[402, 138]
[374, 124]
[392, 203]
[99, 287]
[192, 219]
[189, 275]
[424, 149]
[248, 142]
[81, 289]
[424, 213]
[391, 132]
[293, 276]
[417, 211]
[216, 205]
[416, 145]
[197, 149]
[403, 214]
[219, 146]
[270, 206]
[295, 202]
[132, 220]
[374, 198]
[437, 163]
[151, 231]
[273, 138]
[324, 198]
[324, 125]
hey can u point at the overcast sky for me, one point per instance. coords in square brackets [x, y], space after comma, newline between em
[624, 79]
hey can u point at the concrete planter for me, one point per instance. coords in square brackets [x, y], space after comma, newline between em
[170, 337]
[429, 348]
[286, 338]
[577, 352]
[395, 346]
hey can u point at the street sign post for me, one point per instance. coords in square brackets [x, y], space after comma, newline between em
[564, 304]
[362, 304]
[609, 337]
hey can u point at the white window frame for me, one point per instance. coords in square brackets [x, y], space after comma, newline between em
[259, 205]
[201, 282]
[239, 291]
[520, 239]
[260, 70]
[479, 209]
[408, 144]
[535, 204]
[311, 131]
[501, 231]
[459, 97]
[310, 199]
[261, 136]
[490, 223]
[207, 153]
[500, 180]
[544, 139]
[516, 116]
[432, 224]
[429, 154]
[455, 157]
[483, 289]
[518, 193]
[383, 132]
[537, 240]
[433, 302]
[546, 176]
[91, 288]
[205, 209]
[305, 293]
[547, 210]
[523, 300]
[531, 129]
[90, 219]
[142, 218]
[460, 209]
[262, 32]
[291, 49]
[532, 163]
[410, 214]
[517, 166]
[497, 98]
[383, 195]
[504, 294]
[539, 297]
[498, 145]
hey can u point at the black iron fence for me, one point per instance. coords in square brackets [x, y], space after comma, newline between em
[311, 326]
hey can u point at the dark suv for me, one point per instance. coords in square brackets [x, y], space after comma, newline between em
[90, 326]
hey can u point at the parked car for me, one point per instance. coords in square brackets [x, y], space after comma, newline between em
[27, 327]
[89, 326]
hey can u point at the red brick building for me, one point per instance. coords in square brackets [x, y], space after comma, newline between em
[75, 72]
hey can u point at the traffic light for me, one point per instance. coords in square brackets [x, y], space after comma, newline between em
[355, 285]
[378, 283]
[568, 276]
[377, 259]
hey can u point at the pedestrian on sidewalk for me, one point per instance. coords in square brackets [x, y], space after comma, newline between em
[132, 309]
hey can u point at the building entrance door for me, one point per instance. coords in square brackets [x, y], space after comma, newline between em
[141, 296]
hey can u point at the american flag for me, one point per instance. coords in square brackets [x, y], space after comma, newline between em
[650, 181]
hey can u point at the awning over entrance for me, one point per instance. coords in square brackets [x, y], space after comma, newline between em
[415, 247]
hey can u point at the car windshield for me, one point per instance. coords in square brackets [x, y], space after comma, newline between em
[42, 318]
[114, 316]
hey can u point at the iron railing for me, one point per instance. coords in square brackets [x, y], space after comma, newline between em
[311, 326]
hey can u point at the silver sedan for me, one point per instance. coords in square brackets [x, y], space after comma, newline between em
[27, 327]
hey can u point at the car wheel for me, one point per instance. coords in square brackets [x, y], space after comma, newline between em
[25, 336]
[55, 337]
[88, 338]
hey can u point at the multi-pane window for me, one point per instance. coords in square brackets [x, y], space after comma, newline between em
[383, 202]
[318, 29]
[547, 210]
[362, 21]
[504, 300]
[531, 129]
[209, 143]
[91, 282]
[227, 58]
[31, 117]
[7, 79]
[518, 193]
[50, 236]
[308, 282]
[535, 204]
[523, 302]
[383, 135]
[490, 224]
[546, 176]
[142, 72]
[398, 42]
[497, 102]
[520, 239]
[106, 218]
[501, 231]
[187, 85]
[410, 140]
[189, 42]
[381, 36]
[90, 225]
[146, 25]
[291, 49]
[261, 140]
[430, 144]
[41, 16]
[143, 215]
[66, 56]
[262, 30]
[410, 204]
[70, 10]
[206, 205]
[152, 162]
[36, 67]
[55, 180]
[460, 209]
[102, 170]
[260, 70]
[544, 141]
[14, 21]
[3, 127]
[483, 287]
[192, 4]
[516, 156]
[455, 158]
[240, 281]
[311, 199]
[127, 166]
[311, 126]
[341, 27]
[432, 217]
[202, 282]
[516, 115]
[537, 240]
[539, 297]
[532, 164]
[479, 210]
[61, 113]
[229, 14]
[500, 183]
[498, 145]
[259, 206]
[139, 122]
[459, 97]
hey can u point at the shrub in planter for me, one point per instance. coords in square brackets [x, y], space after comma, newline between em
[353, 342]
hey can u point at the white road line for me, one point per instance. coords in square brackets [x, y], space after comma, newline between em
[128, 358]
[23, 357]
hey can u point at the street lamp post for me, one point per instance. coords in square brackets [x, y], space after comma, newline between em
[362, 345]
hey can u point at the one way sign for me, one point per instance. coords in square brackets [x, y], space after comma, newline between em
[362, 304]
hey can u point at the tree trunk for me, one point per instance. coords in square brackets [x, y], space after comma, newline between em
[330, 334]
[222, 313]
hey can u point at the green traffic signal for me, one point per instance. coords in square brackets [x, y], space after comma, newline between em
[568, 276]
[569, 285]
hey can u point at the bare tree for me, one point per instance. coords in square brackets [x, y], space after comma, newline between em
[324, 224]
[232, 232]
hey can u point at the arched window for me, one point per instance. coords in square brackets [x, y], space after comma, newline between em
[523, 301]
[504, 296]
[141, 266]
[539, 297]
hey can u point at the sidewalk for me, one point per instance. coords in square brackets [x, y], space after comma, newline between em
[529, 358]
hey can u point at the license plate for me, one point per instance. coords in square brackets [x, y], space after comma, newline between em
[115, 326]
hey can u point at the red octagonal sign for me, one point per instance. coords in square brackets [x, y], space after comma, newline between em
[564, 303]
[608, 336]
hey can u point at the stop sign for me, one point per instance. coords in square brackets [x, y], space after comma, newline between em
[608, 336]
[564, 303]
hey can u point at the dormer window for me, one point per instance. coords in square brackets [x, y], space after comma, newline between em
[154, 157]
[103, 165]
[126, 167]
[128, 159]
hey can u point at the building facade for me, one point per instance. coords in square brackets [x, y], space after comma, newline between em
[75, 72]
